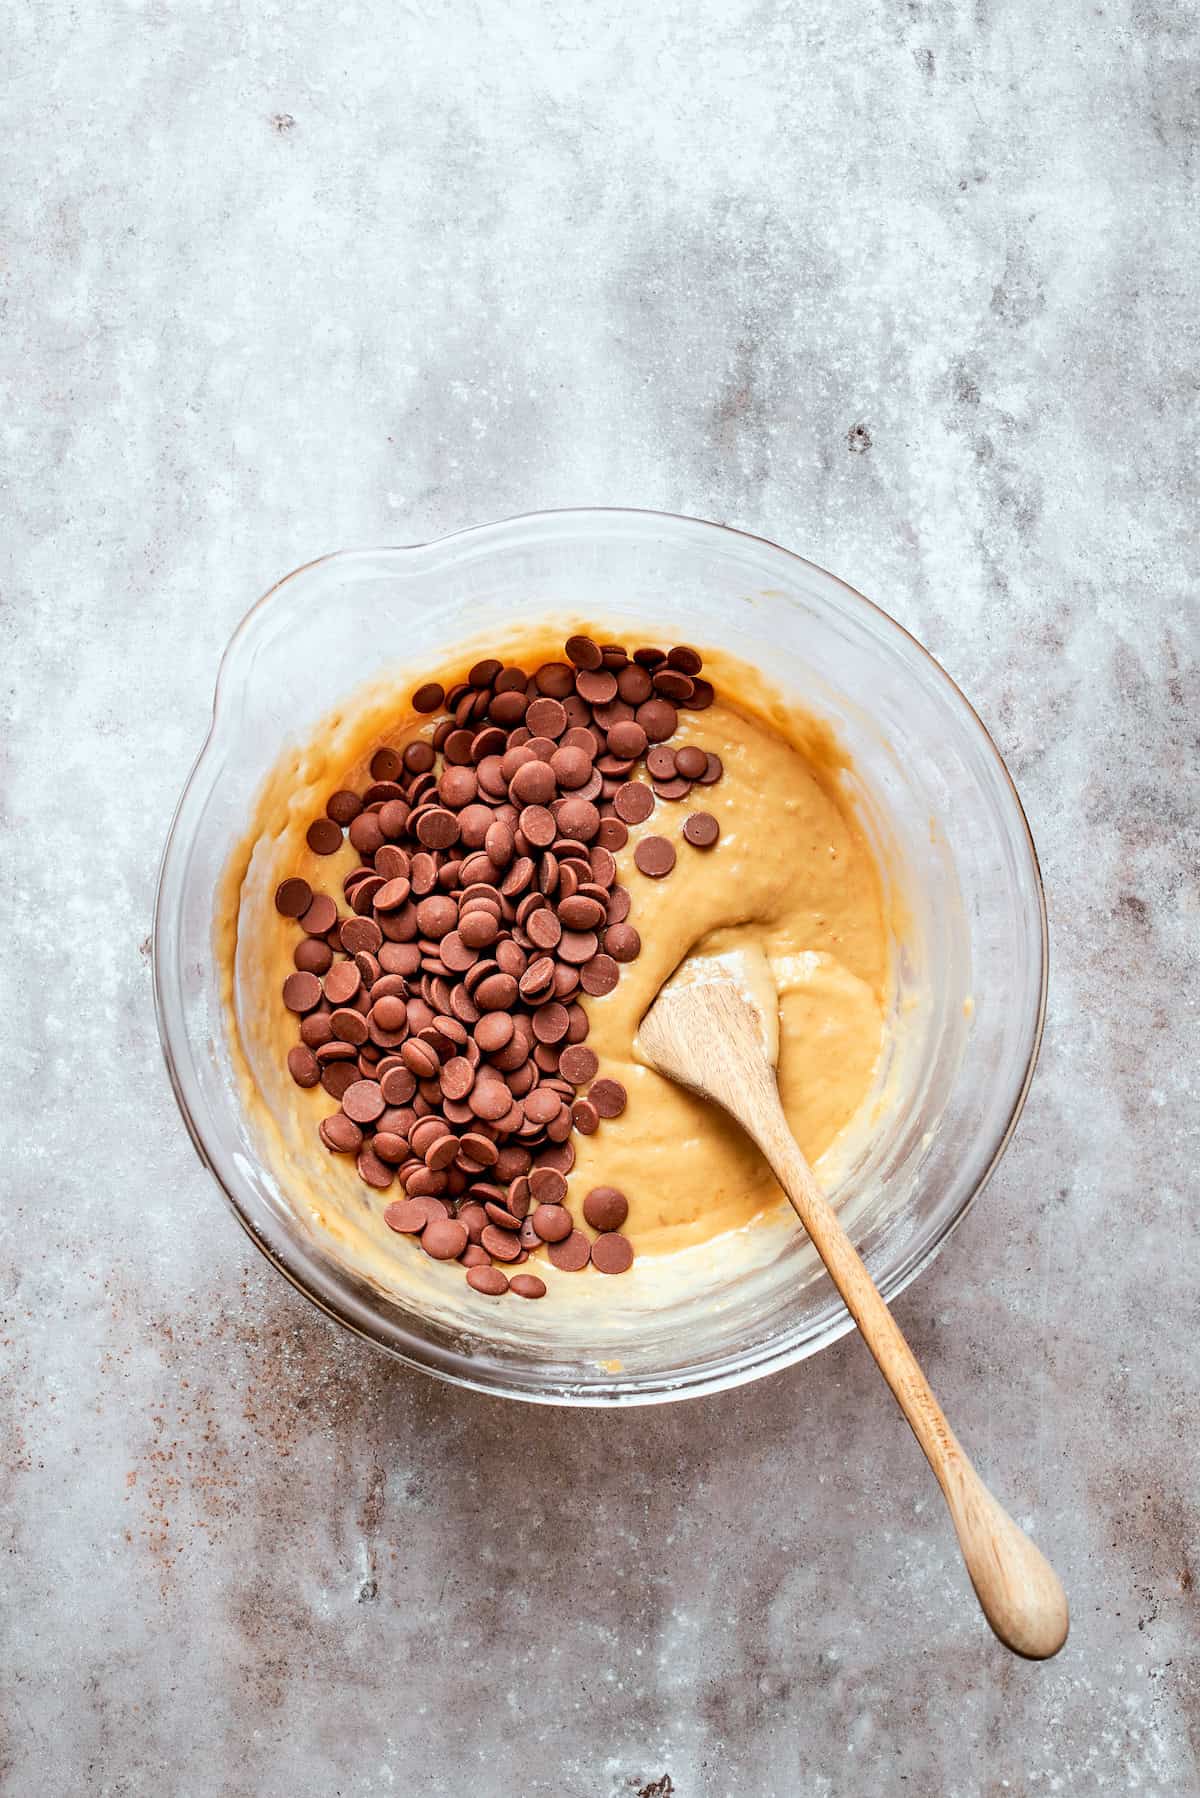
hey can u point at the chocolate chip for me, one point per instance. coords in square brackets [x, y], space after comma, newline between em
[437, 828]
[550, 1022]
[600, 976]
[407, 1217]
[303, 1066]
[654, 857]
[542, 1106]
[577, 947]
[363, 1101]
[581, 912]
[429, 697]
[634, 802]
[561, 1156]
[445, 1239]
[572, 1254]
[622, 942]
[555, 678]
[312, 956]
[343, 806]
[605, 1208]
[440, 1152]
[480, 1148]
[488, 1280]
[457, 788]
[611, 1253]
[658, 718]
[342, 983]
[323, 836]
[578, 1065]
[340, 1134]
[519, 1197]
[527, 1286]
[627, 739]
[398, 1085]
[389, 1147]
[399, 958]
[533, 784]
[537, 980]
[315, 1029]
[713, 771]
[585, 1117]
[419, 757]
[366, 833]
[426, 1130]
[457, 954]
[701, 830]
[543, 929]
[495, 993]
[583, 652]
[320, 917]
[337, 1078]
[293, 897]
[501, 1217]
[389, 1013]
[609, 1097]
[578, 818]
[538, 826]
[598, 686]
[685, 658]
[362, 896]
[473, 1217]
[546, 718]
[419, 1059]
[673, 685]
[457, 747]
[552, 1222]
[494, 1031]
[547, 1186]
[660, 763]
[301, 992]
[612, 834]
[571, 767]
[457, 1078]
[501, 1244]
[360, 934]
[691, 762]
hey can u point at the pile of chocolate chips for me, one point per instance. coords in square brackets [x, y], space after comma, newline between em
[443, 1013]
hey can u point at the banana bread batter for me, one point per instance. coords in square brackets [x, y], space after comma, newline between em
[792, 871]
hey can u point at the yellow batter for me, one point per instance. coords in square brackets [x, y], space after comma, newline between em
[792, 871]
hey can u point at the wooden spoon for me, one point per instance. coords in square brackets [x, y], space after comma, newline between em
[714, 1028]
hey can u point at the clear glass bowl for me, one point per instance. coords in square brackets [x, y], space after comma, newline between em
[971, 978]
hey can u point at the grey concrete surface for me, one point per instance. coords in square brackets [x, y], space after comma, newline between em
[910, 287]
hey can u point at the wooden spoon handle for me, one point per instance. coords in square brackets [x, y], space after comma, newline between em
[1016, 1586]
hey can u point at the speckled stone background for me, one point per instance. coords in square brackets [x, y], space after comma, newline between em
[910, 287]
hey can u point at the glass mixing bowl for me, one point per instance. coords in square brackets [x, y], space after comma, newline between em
[971, 968]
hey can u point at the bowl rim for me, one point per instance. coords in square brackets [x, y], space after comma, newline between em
[457, 1369]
